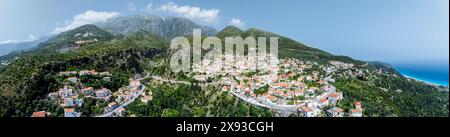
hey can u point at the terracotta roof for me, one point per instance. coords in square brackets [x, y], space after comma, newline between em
[334, 95]
[66, 110]
[356, 110]
[323, 100]
[87, 88]
[112, 104]
[299, 91]
[278, 91]
[306, 109]
[282, 84]
[225, 88]
[121, 109]
[272, 98]
[290, 91]
[39, 114]
[321, 82]
[357, 103]
[291, 74]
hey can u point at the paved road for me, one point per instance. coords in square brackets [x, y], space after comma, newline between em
[284, 109]
[135, 96]
[116, 110]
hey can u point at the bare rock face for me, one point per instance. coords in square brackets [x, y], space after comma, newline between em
[169, 27]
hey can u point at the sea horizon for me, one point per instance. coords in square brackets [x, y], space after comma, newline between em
[434, 73]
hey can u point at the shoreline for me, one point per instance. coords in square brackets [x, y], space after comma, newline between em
[425, 81]
[433, 74]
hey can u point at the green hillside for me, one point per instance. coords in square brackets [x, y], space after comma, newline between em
[31, 76]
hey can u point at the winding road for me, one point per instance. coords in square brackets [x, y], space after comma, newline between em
[135, 96]
[116, 110]
[284, 109]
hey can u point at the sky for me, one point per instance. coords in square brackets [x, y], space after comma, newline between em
[393, 31]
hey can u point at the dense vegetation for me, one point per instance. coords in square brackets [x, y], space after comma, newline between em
[27, 80]
[413, 99]
[182, 100]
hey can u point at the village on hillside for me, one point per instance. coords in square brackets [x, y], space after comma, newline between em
[74, 92]
[289, 85]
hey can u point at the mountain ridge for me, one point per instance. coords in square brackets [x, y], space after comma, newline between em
[167, 27]
[31, 76]
[17, 47]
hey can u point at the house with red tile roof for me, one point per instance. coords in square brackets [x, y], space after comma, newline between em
[112, 104]
[321, 82]
[282, 85]
[299, 92]
[272, 98]
[358, 105]
[87, 91]
[70, 112]
[225, 88]
[39, 114]
[358, 111]
[323, 102]
[307, 111]
[334, 97]
[335, 112]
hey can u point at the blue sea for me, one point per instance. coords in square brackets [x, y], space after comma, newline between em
[436, 73]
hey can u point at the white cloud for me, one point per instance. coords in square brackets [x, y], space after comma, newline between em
[11, 41]
[238, 23]
[31, 38]
[191, 12]
[88, 17]
[149, 7]
[131, 7]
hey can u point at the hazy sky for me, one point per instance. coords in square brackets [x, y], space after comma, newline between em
[386, 30]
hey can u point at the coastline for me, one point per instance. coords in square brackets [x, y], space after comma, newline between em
[425, 81]
[430, 73]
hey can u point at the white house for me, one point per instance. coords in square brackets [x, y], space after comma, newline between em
[72, 79]
[53, 95]
[65, 92]
[88, 72]
[335, 112]
[112, 105]
[308, 112]
[87, 91]
[334, 97]
[70, 112]
[102, 92]
[323, 102]
[68, 102]
[67, 73]
[356, 112]
[122, 112]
